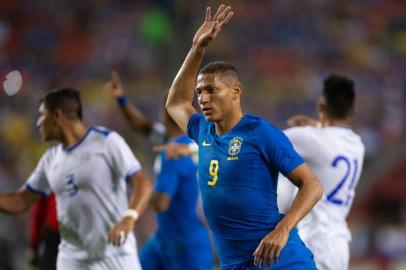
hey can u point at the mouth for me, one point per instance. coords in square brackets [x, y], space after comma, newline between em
[206, 110]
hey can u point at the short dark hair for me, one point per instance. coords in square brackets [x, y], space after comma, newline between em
[339, 95]
[220, 67]
[65, 99]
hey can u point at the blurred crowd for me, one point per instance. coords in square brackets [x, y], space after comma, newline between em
[283, 50]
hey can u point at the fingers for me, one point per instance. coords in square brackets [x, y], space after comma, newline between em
[208, 14]
[266, 253]
[219, 11]
[228, 18]
[117, 237]
[258, 253]
[115, 77]
[159, 148]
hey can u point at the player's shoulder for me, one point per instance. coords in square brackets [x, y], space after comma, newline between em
[51, 153]
[101, 131]
[260, 124]
[302, 130]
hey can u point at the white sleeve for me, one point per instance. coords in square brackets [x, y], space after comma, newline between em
[120, 156]
[301, 140]
[38, 182]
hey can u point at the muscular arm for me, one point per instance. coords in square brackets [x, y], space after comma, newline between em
[179, 102]
[17, 202]
[310, 192]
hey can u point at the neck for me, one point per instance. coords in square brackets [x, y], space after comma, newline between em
[72, 133]
[228, 122]
[335, 122]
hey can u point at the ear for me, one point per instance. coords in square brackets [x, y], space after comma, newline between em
[237, 89]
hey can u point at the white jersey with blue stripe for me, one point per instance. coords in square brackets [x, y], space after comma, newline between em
[89, 181]
[335, 154]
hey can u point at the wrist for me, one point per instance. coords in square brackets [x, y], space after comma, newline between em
[122, 100]
[131, 213]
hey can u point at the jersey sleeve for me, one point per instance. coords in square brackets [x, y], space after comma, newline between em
[279, 151]
[120, 156]
[37, 182]
[300, 138]
[168, 178]
[193, 126]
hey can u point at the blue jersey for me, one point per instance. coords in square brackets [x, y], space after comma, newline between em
[180, 224]
[238, 174]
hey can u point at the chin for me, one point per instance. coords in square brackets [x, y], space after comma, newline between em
[209, 118]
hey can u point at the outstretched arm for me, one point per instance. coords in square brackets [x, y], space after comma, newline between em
[179, 102]
[18, 202]
[134, 117]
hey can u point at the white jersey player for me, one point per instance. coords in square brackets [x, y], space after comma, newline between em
[335, 153]
[88, 172]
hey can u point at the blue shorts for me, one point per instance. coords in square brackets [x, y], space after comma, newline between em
[294, 256]
[156, 255]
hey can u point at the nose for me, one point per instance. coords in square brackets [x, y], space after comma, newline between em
[39, 122]
[203, 97]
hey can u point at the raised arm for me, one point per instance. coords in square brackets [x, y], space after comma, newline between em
[179, 102]
[134, 117]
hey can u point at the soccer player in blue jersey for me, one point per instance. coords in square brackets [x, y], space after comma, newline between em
[240, 156]
[181, 240]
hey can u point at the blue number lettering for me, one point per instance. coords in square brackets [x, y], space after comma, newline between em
[332, 196]
[73, 189]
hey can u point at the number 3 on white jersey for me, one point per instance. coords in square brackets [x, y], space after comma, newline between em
[333, 195]
[213, 169]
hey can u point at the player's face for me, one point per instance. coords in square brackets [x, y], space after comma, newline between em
[46, 124]
[215, 96]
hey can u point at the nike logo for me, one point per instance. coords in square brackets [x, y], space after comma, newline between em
[204, 143]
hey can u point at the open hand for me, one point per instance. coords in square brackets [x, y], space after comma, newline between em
[212, 25]
[118, 234]
[269, 249]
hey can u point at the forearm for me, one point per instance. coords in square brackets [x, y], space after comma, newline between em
[180, 98]
[134, 117]
[183, 86]
[141, 194]
[308, 195]
[17, 202]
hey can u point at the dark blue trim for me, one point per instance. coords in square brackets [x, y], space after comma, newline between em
[122, 100]
[30, 188]
[103, 131]
[70, 148]
[131, 172]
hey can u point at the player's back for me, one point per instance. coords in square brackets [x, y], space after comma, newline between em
[336, 155]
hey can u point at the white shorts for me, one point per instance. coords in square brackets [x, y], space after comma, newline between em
[114, 262]
[330, 253]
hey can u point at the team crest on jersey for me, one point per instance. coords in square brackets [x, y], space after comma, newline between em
[235, 146]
